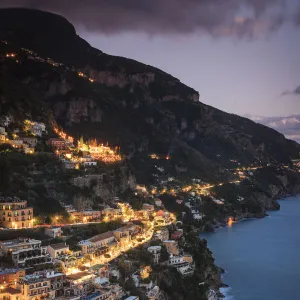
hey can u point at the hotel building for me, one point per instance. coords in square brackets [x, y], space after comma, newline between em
[15, 214]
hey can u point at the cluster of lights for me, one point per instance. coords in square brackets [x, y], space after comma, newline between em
[155, 156]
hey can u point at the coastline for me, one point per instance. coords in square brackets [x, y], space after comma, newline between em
[224, 289]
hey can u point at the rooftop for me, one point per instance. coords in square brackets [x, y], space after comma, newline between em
[9, 271]
[102, 236]
[79, 275]
[11, 291]
[59, 246]
[10, 200]
[17, 241]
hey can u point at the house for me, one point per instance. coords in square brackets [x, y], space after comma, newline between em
[3, 135]
[25, 252]
[57, 143]
[124, 234]
[11, 276]
[42, 285]
[148, 207]
[10, 293]
[16, 143]
[172, 247]
[89, 163]
[162, 234]
[85, 215]
[56, 250]
[29, 140]
[182, 266]
[15, 213]
[79, 284]
[104, 240]
[155, 250]
[69, 165]
[53, 232]
[28, 149]
[158, 202]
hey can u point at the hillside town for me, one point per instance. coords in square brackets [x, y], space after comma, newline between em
[41, 269]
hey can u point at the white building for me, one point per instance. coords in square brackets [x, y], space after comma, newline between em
[25, 252]
[53, 232]
[56, 250]
[106, 239]
[155, 250]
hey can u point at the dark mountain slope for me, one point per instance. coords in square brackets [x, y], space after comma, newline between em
[139, 107]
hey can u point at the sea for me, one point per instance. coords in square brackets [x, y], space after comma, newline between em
[261, 257]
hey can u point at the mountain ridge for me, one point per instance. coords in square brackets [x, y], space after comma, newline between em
[140, 107]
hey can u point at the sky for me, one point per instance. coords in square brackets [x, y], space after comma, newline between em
[241, 55]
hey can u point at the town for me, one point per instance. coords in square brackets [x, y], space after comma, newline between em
[111, 250]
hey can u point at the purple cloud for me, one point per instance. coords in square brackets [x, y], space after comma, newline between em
[296, 91]
[235, 18]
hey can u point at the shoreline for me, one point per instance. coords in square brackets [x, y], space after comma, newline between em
[224, 288]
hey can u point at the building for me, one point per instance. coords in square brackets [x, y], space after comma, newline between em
[104, 240]
[155, 251]
[25, 252]
[172, 247]
[162, 234]
[148, 207]
[10, 293]
[53, 232]
[57, 250]
[85, 215]
[11, 276]
[3, 135]
[79, 284]
[89, 163]
[57, 143]
[16, 143]
[29, 140]
[42, 285]
[28, 150]
[15, 214]
[123, 236]
[69, 165]
[182, 266]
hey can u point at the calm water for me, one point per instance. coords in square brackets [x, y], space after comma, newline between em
[261, 257]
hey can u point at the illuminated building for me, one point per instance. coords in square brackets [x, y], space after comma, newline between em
[57, 143]
[59, 249]
[106, 239]
[11, 276]
[42, 285]
[15, 213]
[25, 252]
[79, 284]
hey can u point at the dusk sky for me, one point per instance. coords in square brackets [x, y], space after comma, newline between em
[241, 55]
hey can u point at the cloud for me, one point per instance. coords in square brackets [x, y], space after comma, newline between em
[234, 18]
[296, 91]
[289, 126]
[297, 17]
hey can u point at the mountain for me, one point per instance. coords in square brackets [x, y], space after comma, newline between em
[56, 75]
[289, 126]
[139, 107]
[166, 135]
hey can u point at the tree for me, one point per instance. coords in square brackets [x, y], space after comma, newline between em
[5, 174]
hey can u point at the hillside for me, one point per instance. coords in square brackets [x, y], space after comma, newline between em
[148, 113]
